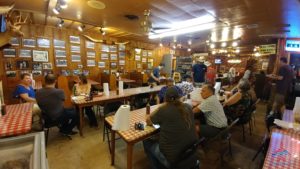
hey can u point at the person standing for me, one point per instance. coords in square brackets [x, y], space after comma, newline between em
[155, 74]
[231, 75]
[24, 90]
[198, 73]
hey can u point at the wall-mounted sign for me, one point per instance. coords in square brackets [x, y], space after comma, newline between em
[292, 45]
[267, 49]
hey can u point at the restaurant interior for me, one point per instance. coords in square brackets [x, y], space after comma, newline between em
[128, 51]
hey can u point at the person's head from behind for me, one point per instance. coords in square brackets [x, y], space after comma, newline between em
[26, 79]
[83, 79]
[244, 85]
[161, 66]
[207, 91]
[170, 82]
[283, 61]
[187, 78]
[171, 95]
[50, 79]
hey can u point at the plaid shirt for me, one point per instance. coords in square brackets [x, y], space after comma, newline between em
[186, 87]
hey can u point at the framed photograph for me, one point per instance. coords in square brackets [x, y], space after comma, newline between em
[104, 48]
[137, 57]
[91, 54]
[75, 58]
[138, 65]
[85, 72]
[37, 66]
[144, 60]
[149, 53]
[137, 51]
[113, 65]
[145, 53]
[60, 53]
[14, 41]
[43, 43]
[101, 64]
[76, 72]
[121, 47]
[61, 63]
[113, 56]
[47, 66]
[37, 73]
[9, 65]
[121, 62]
[122, 55]
[25, 53]
[59, 44]
[90, 45]
[80, 66]
[29, 43]
[9, 52]
[91, 63]
[104, 56]
[24, 71]
[40, 56]
[11, 73]
[22, 64]
[65, 72]
[113, 48]
[46, 72]
[75, 49]
[75, 39]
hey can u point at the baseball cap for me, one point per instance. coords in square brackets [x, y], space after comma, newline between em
[171, 93]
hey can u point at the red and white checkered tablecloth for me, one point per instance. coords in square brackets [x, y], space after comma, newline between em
[17, 121]
[284, 150]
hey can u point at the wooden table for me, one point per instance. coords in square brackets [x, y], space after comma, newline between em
[92, 82]
[131, 136]
[127, 81]
[17, 121]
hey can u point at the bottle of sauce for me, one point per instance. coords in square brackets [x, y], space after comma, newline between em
[148, 108]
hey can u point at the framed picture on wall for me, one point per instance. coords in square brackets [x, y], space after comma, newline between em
[79, 66]
[37, 73]
[65, 72]
[137, 51]
[101, 64]
[113, 56]
[75, 49]
[59, 44]
[90, 45]
[75, 39]
[121, 62]
[14, 41]
[43, 43]
[25, 53]
[9, 65]
[144, 53]
[40, 56]
[150, 53]
[91, 63]
[144, 60]
[85, 72]
[137, 57]
[121, 47]
[9, 52]
[91, 54]
[138, 65]
[22, 64]
[37, 66]
[61, 63]
[47, 66]
[104, 48]
[60, 53]
[11, 73]
[113, 48]
[77, 72]
[29, 43]
[113, 65]
[121, 55]
[46, 72]
[104, 56]
[75, 58]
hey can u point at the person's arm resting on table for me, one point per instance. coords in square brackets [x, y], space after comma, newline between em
[25, 97]
[153, 118]
[233, 99]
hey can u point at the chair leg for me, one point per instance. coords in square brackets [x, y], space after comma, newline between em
[250, 127]
[47, 133]
[104, 130]
[229, 145]
[254, 124]
[243, 133]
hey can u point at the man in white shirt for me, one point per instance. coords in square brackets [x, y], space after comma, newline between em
[213, 111]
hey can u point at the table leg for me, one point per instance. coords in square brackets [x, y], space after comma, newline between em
[80, 120]
[129, 155]
[112, 142]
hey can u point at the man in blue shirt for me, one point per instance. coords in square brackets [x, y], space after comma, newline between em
[162, 92]
[154, 76]
[198, 73]
[24, 91]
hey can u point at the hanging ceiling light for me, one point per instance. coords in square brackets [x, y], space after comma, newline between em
[160, 44]
[189, 49]
[61, 23]
[56, 10]
[224, 44]
[212, 45]
[62, 3]
[234, 44]
[81, 27]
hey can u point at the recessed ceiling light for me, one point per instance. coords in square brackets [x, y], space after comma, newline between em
[96, 4]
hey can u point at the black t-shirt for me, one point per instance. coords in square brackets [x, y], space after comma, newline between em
[199, 71]
[283, 86]
[175, 135]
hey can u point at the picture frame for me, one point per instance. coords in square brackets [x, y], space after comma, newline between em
[9, 65]
[46, 72]
[22, 64]
[113, 56]
[43, 43]
[85, 72]
[137, 51]
[104, 48]
[144, 60]
[122, 47]
[36, 73]
[138, 65]
[27, 42]
[89, 45]
[75, 49]
[9, 52]
[15, 41]
[145, 53]
[150, 53]
[11, 73]
[91, 54]
[104, 56]
[91, 63]
[79, 66]
[61, 63]
[113, 65]
[77, 72]
[40, 56]
[60, 53]
[25, 53]
[47, 66]
[137, 57]
[37, 66]
[74, 39]
[121, 62]
[59, 44]
[113, 48]
[65, 72]
[101, 64]
[122, 55]
[76, 58]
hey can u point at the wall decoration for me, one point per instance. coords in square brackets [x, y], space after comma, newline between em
[138, 65]
[91, 54]
[75, 49]
[37, 73]
[29, 43]
[137, 51]
[104, 56]
[145, 53]
[149, 53]
[101, 64]
[121, 47]
[14, 41]
[60, 53]
[121, 62]
[75, 39]
[11, 73]
[9, 65]
[59, 44]
[43, 43]
[25, 53]
[113, 65]
[113, 48]
[37, 66]
[24, 71]
[65, 72]
[90, 45]
[61, 63]
[144, 60]
[40, 56]
[47, 66]
[113, 56]
[85, 72]
[104, 48]
[79, 66]
[137, 57]
[76, 58]
[76, 72]
[106, 71]
[122, 55]
[91, 63]
[46, 72]
[9, 52]
[150, 63]
[22, 64]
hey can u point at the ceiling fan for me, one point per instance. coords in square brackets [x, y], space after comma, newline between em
[146, 24]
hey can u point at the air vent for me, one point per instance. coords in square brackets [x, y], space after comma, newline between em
[131, 17]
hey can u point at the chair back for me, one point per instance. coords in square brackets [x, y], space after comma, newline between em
[224, 132]
[246, 116]
[62, 83]
[177, 77]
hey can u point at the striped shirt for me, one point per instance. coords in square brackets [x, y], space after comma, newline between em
[213, 112]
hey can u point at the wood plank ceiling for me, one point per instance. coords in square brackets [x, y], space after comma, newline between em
[258, 20]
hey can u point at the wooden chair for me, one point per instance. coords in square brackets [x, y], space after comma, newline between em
[177, 77]
[62, 83]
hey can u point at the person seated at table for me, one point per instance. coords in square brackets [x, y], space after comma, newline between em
[186, 85]
[51, 102]
[24, 90]
[235, 105]
[177, 131]
[162, 92]
[212, 109]
[84, 88]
